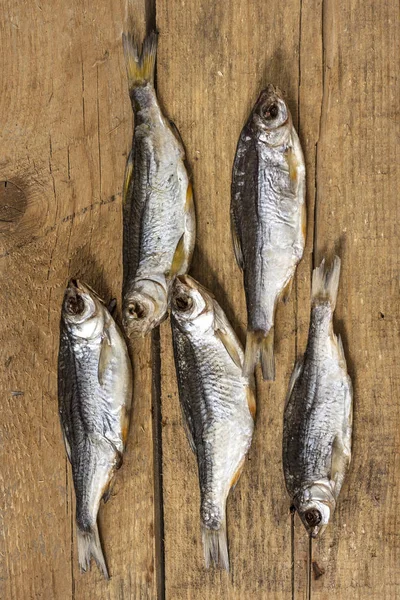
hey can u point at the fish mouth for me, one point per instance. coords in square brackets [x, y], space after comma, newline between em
[74, 303]
[140, 316]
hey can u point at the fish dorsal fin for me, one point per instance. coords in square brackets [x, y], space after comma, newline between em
[105, 354]
[223, 332]
[127, 177]
[293, 378]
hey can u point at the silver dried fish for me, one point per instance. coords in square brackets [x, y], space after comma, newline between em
[159, 215]
[94, 394]
[218, 404]
[268, 219]
[318, 414]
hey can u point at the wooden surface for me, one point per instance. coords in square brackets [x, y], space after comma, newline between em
[66, 129]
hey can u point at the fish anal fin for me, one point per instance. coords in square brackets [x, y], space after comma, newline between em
[125, 422]
[237, 474]
[251, 400]
[189, 203]
[67, 446]
[237, 246]
[108, 490]
[127, 177]
[188, 432]
[179, 258]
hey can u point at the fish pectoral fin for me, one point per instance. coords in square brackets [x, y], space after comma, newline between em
[229, 347]
[105, 355]
[127, 177]
[292, 164]
[341, 454]
[221, 329]
[237, 246]
[179, 258]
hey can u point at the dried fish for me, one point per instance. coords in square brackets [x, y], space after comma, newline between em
[159, 215]
[218, 404]
[94, 393]
[268, 219]
[318, 413]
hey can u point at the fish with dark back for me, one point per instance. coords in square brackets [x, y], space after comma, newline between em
[94, 395]
[319, 412]
[268, 219]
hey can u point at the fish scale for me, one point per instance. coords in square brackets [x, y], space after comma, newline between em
[94, 393]
[267, 219]
[159, 218]
[318, 413]
[216, 401]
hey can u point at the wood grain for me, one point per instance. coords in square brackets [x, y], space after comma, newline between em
[66, 127]
[225, 53]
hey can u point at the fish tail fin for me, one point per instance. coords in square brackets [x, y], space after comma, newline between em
[89, 545]
[267, 356]
[215, 546]
[140, 67]
[259, 345]
[325, 283]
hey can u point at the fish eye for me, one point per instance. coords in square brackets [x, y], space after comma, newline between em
[136, 310]
[271, 111]
[183, 302]
[75, 305]
[313, 517]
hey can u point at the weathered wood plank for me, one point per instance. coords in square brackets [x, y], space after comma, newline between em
[66, 129]
[65, 132]
[214, 59]
[357, 216]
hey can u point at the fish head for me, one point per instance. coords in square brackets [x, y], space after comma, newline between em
[83, 310]
[271, 114]
[144, 307]
[191, 304]
[315, 507]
